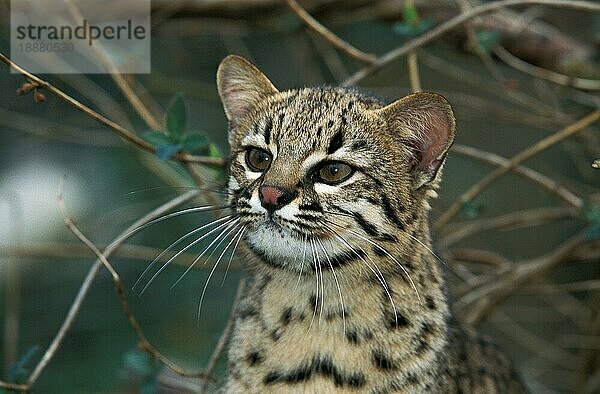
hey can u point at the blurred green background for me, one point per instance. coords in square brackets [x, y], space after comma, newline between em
[110, 184]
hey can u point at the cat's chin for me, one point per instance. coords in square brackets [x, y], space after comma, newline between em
[285, 248]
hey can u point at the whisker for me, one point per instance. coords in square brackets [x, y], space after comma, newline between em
[212, 271]
[404, 270]
[204, 208]
[148, 189]
[336, 283]
[438, 258]
[378, 274]
[183, 250]
[220, 237]
[312, 250]
[161, 254]
[232, 254]
[340, 214]
[302, 263]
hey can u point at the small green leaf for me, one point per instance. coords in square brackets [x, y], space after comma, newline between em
[472, 210]
[214, 152]
[18, 371]
[165, 152]
[158, 138]
[487, 39]
[176, 116]
[193, 142]
[410, 15]
[409, 30]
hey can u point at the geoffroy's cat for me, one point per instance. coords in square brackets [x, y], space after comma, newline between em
[331, 191]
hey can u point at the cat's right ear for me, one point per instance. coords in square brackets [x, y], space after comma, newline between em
[241, 86]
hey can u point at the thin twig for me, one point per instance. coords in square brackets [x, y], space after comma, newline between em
[120, 130]
[143, 343]
[527, 218]
[457, 21]
[115, 74]
[74, 250]
[477, 304]
[89, 279]
[225, 335]
[328, 35]
[413, 63]
[543, 73]
[538, 178]
[533, 150]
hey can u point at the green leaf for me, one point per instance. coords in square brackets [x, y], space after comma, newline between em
[410, 15]
[176, 116]
[18, 371]
[487, 39]
[158, 138]
[410, 30]
[214, 152]
[165, 152]
[193, 142]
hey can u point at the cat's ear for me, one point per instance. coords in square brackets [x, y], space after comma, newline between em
[241, 86]
[425, 123]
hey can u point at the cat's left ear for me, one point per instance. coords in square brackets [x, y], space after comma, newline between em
[241, 86]
[425, 123]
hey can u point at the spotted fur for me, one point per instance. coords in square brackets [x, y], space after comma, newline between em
[346, 294]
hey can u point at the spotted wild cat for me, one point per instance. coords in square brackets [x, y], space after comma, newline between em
[332, 189]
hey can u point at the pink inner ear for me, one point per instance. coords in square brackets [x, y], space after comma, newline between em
[434, 141]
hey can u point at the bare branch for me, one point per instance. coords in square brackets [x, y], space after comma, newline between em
[542, 73]
[89, 279]
[120, 130]
[225, 335]
[328, 35]
[533, 150]
[425, 38]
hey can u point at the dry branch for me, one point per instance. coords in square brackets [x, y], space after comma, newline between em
[516, 160]
[445, 27]
[120, 130]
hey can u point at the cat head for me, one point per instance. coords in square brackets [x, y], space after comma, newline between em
[321, 173]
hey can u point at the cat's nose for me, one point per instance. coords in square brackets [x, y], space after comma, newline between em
[272, 197]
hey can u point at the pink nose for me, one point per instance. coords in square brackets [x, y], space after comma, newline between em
[273, 197]
[270, 195]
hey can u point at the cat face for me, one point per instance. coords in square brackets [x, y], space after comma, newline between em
[319, 174]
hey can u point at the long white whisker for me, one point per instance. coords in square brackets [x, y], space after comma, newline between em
[428, 248]
[174, 214]
[212, 271]
[336, 283]
[319, 274]
[220, 237]
[305, 241]
[182, 251]
[233, 254]
[312, 250]
[404, 270]
[378, 274]
[161, 254]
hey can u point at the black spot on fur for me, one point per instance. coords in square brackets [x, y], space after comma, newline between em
[255, 358]
[352, 337]
[356, 380]
[272, 377]
[275, 334]
[390, 212]
[379, 251]
[396, 321]
[366, 226]
[336, 143]
[247, 312]
[387, 237]
[343, 258]
[312, 301]
[313, 206]
[359, 145]
[330, 124]
[412, 378]
[430, 303]
[286, 316]
[381, 361]
[319, 130]
[267, 131]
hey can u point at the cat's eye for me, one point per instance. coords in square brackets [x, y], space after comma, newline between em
[334, 172]
[258, 159]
